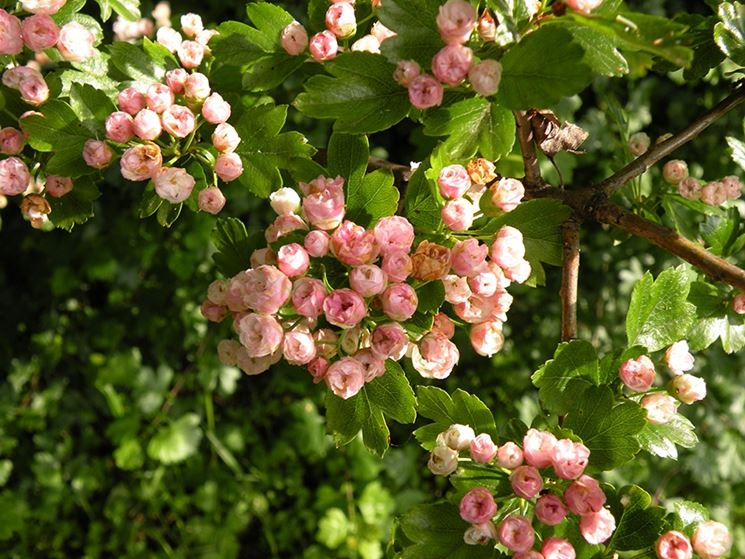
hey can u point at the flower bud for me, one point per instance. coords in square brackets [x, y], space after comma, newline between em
[190, 54]
[639, 143]
[120, 127]
[146, 125]
[509, 456]
[637, 374]
[483, 449]
[538, 447]
[452, 64]
[485, 77]
[11, 141]
[738, 303]
[213, 312]
[225, 138]
[298, 348]
[688, 389]
[294, 38]
[406, 71]
[487, 338]
[711, 540]
[97, 154]
[58, 186]
[675, 171]
[456, 21]
[597, 527]
[285, 201]
[733, 186]
[323, 46]
[516, 533]
[678, 358]
[557, 548]
[75, 42]
[176, 79]
[35, 208]
[443, 461]
[178, 121]
[477, 506]
[340, 19]
[345, 377]
[487, 27]
[550, 510]
[389, 341]
[457, 215]
[292, 260]
[14, 176]
[526, 482]
[690, 188]
[141, 162]
[131, 101]
[673, 545]
[399, 301]
[367, 280]
[425, 92]
[228, 166]
[661, 408]
[159, 97]
[11, 38]
[507, 194]
[191, 25]
[211, 200]
[434, 356]
[394, 233]
[173, 184]
[367, 43]
[215, 109]
[40, 32]
[480, 534]
[457, 436]
[397, 266]
[169, 38]
[714, 194]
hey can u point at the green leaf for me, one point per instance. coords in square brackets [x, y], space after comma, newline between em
[542, 69]
[233, 46]
[573, 361]
[129, 455]
[234, 245]
[91, 105]
[720, 232]
[414, 21]
[128, 9]
[376, 197]
[437, 531]
[135, 64]
[473, 474]
[13, 514]
[347, 157]
[607, 430]
[601, 49]
[269, 20]
[160, 54]
[271, 70]
[75, 206]
[167, 214]
[659, 313]
[393, 394]
[729, 33]
[706, 53]
[463, 408]
[473, 126]
[688, 515]
[333, 528]
[360, 95]
[176, 442]
[431, 296]
[265, 151]
[639, 524]
[660, 440]
[422, 208]
[738, 150]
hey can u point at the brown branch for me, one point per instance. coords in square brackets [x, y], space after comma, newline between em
[640, 165]
[569, 280]
[525, 137]
[400, 172]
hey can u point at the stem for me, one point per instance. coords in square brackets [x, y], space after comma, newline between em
[530, 160]
[569, 280]
[640, 165]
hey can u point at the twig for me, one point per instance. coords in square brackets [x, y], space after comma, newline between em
[525, 137]
[640, 165]
[569, 280]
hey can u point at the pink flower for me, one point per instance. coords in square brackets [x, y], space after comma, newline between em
[597, 527]
[40, 32]
[284, 225]
[508, 249]
[227, 352]
[487, 27]
[530, 554]
[169, 38]
[178, 121]
[260, 334]
[389, 341]
[738, 303]
[550, 510]
[225, 138]
[381, 32]
[367, 280]
[569, 459]
[11, 39]
[397, 265]
[159, 97]
[176, 79]
[196, 87]
[190, 54]
[217, 290]
[456, 21]
[673, 545]
[425, 92]
[120, 127]
[476, 309]
[675, 171]
[344, 308]
[191, 25]
[557, 548]
[519, 273]
[453, 181]
[584, 496]
[211, 200]
[46, 7]
[294, 38]
[215, 109]
[340, 19]
[11, 141]
[406, 71]
[434, 356]
[480, 534]
[173, 184]
[452, 64]
[526, 482]
[457, 215]
[394, 233]
[146, 125]
[688, 389]
[373, 365]
[485, 283]
[457, 289]
[308, 295]
[399, 301]
[367, 43]
[483, 449]
[507, 194]
[661, 408]
[141, 162]
[29, 82]
[323, 46]
[443, 325]
[516, 533]
[324, 209]
[97, 154]
[509, 456]
[690, 188]
[263, 256]
[538, 448]
[583, 6]
[714, 194]
[14, 176]
[228, 166]
[711, 540]
[678, 358]
[58, 186]
[317, 368]
[477, 506]
[298, 348]
[213, 312]
[637, 374]
[264, 289]
[317, 243]
[131, 101]
[293, 260]
[353, 245]
[733, 186]
[468, 257]
[255, 365]
[346, 377]
[443, 460]
[487, 338]
[75, 42]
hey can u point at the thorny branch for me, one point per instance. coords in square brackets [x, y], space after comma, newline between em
[525, 137]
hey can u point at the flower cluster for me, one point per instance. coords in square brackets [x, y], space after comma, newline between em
[714, 193]
[551, 495]
[638, 375]
[177, 109]
[710, 540]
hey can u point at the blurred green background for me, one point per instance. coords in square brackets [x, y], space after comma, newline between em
[122, 435]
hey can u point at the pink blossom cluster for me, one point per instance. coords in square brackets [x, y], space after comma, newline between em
[455, 62]
[710, 540]
[714, 193]
[180, 107]
[341, 24]
[38, 31]
[638, 375]
[530, 480]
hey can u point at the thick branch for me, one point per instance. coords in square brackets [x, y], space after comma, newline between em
[525, 137]
[640, 165]
[716, 268]
[569, 280]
